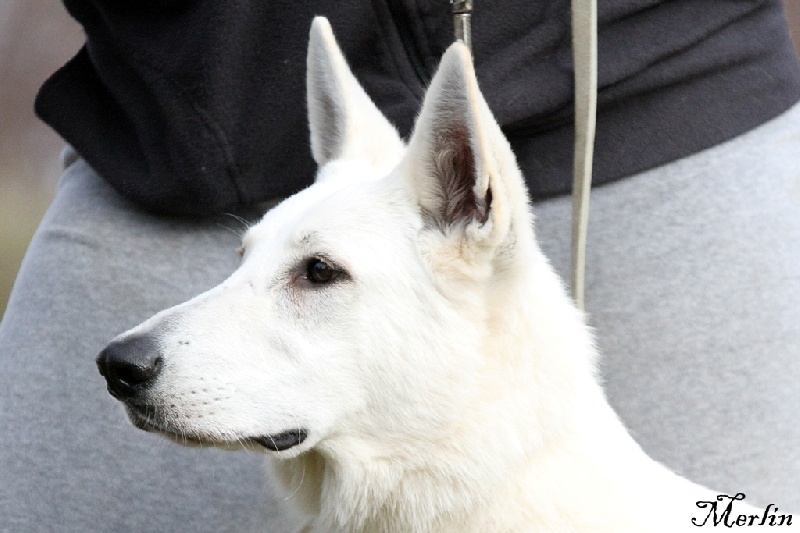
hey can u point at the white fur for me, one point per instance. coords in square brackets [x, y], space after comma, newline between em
[449, 383]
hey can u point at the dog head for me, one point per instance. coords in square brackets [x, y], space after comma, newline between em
[360, 309]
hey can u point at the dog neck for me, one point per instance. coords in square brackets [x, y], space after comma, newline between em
[545, 369]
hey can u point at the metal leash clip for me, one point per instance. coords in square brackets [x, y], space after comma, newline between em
[462, 12]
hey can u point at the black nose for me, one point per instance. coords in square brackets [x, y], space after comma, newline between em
[130, 366]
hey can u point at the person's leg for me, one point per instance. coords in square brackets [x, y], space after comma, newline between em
[693, 286]
[69, 459]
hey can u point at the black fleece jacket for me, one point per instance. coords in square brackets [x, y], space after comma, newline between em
[196, 106]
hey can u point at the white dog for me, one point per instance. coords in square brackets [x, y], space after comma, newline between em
[398, 345]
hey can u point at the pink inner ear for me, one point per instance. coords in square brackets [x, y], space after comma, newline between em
[456, 171]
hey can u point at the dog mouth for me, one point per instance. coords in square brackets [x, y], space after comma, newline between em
[276, 442]
[284, 440]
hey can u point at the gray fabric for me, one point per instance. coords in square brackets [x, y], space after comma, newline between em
[69, 459]
[693, 286]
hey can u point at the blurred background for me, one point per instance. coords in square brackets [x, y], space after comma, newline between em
[37, 37]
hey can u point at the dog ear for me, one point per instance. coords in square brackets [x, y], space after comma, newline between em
[343, 120]
[458, 157]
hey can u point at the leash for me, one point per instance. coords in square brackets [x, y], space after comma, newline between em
[584, 55]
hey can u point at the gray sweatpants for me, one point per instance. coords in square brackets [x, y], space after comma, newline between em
[693, 287]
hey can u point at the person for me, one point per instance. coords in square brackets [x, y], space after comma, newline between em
[184, 117]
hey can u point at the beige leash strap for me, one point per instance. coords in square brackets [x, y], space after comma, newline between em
[584, 53]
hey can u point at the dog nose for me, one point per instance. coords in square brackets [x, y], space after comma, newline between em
[130, 365]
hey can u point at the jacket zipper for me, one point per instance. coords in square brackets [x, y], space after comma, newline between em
[403, 25]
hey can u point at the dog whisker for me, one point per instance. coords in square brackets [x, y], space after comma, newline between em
[238, 233]
[245, 224]
[243, 221]
[299, 485]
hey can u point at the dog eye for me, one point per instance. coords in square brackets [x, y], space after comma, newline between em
[320, 272]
